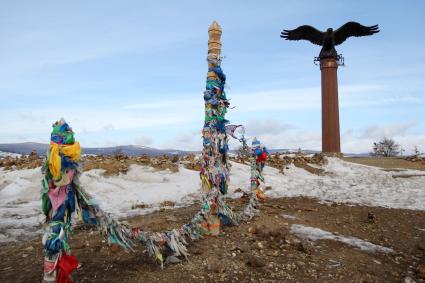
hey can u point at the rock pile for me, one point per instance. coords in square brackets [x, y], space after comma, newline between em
[113, 165]
[164, 162]
[120, 163]
[191, 162]
[30, 161]
[415, 158]
[281, 162]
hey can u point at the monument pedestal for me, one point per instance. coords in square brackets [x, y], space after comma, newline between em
[330, 108]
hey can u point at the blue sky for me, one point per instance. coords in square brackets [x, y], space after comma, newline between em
[133, 72]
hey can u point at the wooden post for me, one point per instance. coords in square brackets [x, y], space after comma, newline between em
[214, 46]
[214, 169]
[330, 108]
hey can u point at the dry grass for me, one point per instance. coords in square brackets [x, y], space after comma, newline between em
[387, 162]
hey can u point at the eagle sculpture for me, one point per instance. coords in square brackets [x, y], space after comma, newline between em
[330, 38]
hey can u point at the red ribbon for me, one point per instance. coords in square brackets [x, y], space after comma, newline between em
[262, 157]
[66, 265]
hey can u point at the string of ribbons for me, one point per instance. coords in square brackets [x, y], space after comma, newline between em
[63, 196]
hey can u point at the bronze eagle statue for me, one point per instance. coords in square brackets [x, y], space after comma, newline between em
[330, 38]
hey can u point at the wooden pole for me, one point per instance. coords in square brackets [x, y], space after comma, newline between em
[214, 172]
[214, 46]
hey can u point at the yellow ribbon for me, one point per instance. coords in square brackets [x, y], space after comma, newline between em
[73, 151]
[206, 184]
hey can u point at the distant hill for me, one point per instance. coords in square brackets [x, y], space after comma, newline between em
[132, 150]
[24, 148]
[285, 150]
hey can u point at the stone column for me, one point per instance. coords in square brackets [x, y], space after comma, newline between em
[330, 108]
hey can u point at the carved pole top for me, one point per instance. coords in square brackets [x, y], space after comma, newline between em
[214, 45]
[215, 26]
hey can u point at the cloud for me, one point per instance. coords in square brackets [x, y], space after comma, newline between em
[144, 140]
[361, 140]
[293, 140]
[93, 120]
[185, 141]
[408, 143]
[59, 43]
[352, 140]
[256, 127]
[108, 127]
[308, 98]
[389, 131]
[355, 144]
[187, 103]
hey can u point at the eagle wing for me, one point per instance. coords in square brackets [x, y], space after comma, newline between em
[353, 29]
[304, 32]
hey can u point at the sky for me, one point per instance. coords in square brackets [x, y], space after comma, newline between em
[133, 72]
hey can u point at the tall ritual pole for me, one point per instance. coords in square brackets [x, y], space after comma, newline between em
[214, 168]
[330, 108]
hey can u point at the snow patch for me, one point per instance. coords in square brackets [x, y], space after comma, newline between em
[346, 182]
[343, 182]
[141, 184]
[290, 217]
[314, 234]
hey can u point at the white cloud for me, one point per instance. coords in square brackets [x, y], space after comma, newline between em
[62, 43]
[269, 126]
[361, 140]
[93, 120]
[295, 99]
[185, 141]
[388, 131]
[271, 132]
[186, 103]
[186, 110]
[108, 127]
[350, 96]
[292, 140]
[144, 140]
[352, 140]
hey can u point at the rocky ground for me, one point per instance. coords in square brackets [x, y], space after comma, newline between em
[263, 250]
[23, 162]
[281, 162]
[119, 163]
[112, 164]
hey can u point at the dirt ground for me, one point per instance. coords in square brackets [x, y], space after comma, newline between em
[387, 162]
[262, 250]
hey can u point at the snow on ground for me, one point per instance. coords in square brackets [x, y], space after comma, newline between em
[347, 182]
[314, 234]
[19, 203]
[141, 184]
[287, 216]
[343, 182]
[20, 194]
